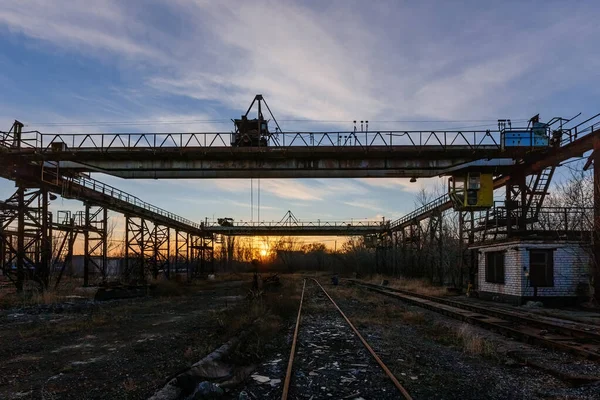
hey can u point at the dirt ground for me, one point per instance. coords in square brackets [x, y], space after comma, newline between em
[433, 356]
[436, 357]
[120, 349]
[127, 349]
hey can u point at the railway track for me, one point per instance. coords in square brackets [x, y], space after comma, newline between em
[572, 339]
[338, 337]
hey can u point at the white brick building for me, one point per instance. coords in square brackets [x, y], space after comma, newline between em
[521, 270]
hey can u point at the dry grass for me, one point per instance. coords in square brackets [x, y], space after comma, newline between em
[472, 342]
[421, 286]
[376, 310]
[32, 295]
[86, 324]
[263, 317]
[31, 298]
[413, 317]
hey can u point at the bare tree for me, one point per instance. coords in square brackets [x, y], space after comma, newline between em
[286, 249]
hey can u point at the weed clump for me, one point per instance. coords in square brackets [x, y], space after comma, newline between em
[472, 342]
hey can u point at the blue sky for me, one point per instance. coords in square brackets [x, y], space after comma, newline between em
[72, 62]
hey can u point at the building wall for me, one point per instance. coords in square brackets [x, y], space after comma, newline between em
[512, 271]
[571, 271]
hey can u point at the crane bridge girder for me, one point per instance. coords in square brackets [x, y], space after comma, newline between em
[272, 162]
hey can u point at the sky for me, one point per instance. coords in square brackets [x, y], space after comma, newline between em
[191, 66]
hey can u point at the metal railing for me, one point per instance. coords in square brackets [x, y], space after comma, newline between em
[546, 219]
[131, 141]
[83, 181]
[118, 194]
[419, 212]
[470, 139]
[301, 224]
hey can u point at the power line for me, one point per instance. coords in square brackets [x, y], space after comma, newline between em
[228, 121]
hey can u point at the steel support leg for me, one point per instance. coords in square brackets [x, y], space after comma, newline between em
[86, 247]
[596, 236]
[21, 240]
[43, 272]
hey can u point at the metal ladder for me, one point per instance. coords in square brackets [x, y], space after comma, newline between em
[537, 192]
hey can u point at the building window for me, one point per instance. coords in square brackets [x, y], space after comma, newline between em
[494, 267]
[541, 267]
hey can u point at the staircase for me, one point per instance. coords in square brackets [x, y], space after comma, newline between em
[493, 222]
[537, 192]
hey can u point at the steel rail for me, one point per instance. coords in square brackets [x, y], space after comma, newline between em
[572, 340]
[288, 374]
[387, 371]
[515, 316]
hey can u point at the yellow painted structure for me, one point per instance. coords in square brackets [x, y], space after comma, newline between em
[471, 191]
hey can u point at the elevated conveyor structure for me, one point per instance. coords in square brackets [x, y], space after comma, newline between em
[295, 154]
[27, 226]
[301, 228]
[59, 162]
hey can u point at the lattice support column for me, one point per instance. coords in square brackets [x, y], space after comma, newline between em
[516, 205]
[195, 245]
[207, 256]
[26, 237]
[63, 254]
[45, 219]
[182, 251]
[95, 242]
[137, 237]
[161, 249]
[8, 247]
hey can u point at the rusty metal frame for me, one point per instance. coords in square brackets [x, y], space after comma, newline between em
[182, 251]
[95, 242]
[104, 142]
[28, 249]
[160, 243]
[135, 247]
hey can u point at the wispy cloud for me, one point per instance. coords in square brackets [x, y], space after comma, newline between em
[368, 205]
[293, 189]
[190, 60]
[313, 68]
[434, 185]
[74, 24]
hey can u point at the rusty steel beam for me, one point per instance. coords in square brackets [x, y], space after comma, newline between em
[93, 192]
[533, 163]
[596, 235]
[269, 162]
[298, 230]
